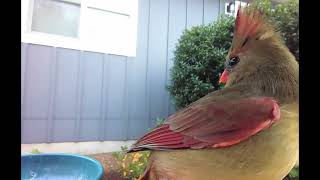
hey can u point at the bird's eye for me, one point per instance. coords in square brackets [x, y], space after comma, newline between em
[233, 61]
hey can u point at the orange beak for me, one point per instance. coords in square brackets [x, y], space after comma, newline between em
[224, 77]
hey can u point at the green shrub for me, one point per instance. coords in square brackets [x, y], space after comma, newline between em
[199, 58]
[285, 17]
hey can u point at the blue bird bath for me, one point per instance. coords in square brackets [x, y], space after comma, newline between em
[60, 167]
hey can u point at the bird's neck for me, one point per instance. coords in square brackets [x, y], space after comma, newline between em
[280, 81]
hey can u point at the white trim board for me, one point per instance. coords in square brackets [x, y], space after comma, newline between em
[83, 148]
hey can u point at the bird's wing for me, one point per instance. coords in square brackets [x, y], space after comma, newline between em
[212, 124]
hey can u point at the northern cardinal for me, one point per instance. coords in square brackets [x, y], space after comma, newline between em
[246, 131]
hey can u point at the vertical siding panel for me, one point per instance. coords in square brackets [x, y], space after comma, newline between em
[63, 131]
[116, 106]
[194, 13]
[186, 10]
[147, 89]
[91, 98]
[166, 95]
[176, 27]
[116, 87]
[126, 100]
[24, 51]
[132, 92]
[157, 58]
[36, 85]
[116, 130]
[137, 113]
[65, 106]
[37, 82]
[79, 95]
[221, 5]
[92, 85]
[67, 75]
[137, 68]
[51, 101]
[104, 97]
[211, 10]
[34, 131]
[202, 11]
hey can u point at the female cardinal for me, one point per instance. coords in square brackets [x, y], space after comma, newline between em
[245, 131]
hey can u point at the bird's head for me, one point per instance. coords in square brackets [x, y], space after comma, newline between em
[255, 45]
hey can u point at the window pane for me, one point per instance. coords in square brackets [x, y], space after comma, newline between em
[56, 17]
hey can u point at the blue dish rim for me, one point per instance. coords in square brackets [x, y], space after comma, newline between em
[99, 165]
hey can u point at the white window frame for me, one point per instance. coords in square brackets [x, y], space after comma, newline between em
[236, 3]
[28, 36]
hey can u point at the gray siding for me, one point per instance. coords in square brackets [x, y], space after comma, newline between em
[71, 95]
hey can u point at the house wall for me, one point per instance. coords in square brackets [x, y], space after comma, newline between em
[71, 95]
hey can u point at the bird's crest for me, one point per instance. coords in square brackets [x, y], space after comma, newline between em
[251, 22]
